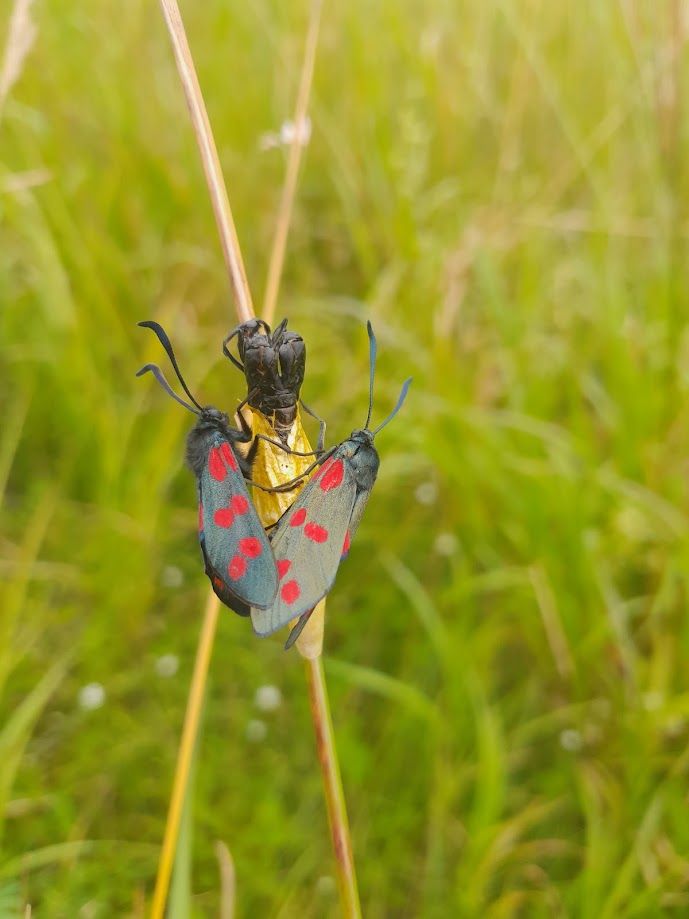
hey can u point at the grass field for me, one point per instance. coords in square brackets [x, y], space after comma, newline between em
[501, 187]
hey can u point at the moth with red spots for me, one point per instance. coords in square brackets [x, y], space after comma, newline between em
[314, 534]
[236, 551]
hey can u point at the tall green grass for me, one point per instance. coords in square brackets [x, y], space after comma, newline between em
[501, 188]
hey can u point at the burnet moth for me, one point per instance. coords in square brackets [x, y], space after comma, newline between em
[273, 363]
[236, 551]
[314, 535]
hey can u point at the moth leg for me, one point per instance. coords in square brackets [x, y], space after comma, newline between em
[288, 486]
[251, 454]
[226, 351]
[277, 443]
[321, 426]
[243, 423]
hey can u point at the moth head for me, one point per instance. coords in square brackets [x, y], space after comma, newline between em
[362, 436]
[213, 417]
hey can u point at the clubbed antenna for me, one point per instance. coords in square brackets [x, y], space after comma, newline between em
[165, 342]
[372, 370]
[400, 401]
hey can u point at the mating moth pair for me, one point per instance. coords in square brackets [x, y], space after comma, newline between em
[279, 576]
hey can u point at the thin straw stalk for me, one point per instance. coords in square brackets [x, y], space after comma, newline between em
[332, 785]
[209, 157]
[186, 748]
[327, 752]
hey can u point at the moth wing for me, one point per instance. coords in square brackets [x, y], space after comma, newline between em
[219, 589]
[239, 560]
[308, 544]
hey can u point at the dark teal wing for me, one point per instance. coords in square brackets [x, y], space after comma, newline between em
[309, 541]
[238, 556]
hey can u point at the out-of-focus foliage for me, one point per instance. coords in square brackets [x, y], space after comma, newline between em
[501, 187]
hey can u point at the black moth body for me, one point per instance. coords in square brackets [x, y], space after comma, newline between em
[273, 364]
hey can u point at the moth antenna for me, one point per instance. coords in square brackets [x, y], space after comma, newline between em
[158, 374]
[402, 397]
[372, 370]
[165, 342]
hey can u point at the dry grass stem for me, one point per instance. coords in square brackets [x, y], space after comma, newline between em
[186, 749]
[555, 633]
[334, 794]
[20, 38]
[228, 881]
[210, 160]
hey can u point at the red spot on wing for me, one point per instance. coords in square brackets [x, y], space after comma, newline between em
[333, 476]
[237, 567]
[283, 565]
[315, 532]
[290, 591]
[347, 544]
[298, 517]
[319, 472]
[250, 546]
[224, 517]
[229, 456]
[239, 504]
[216, 466]
[200, 516]
[218, 582]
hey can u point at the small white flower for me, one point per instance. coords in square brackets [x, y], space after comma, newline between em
[446, 544]
[256, 731]
[268, 698]
[91, 696]
[171, 576]
[571, 740]
[289, 131]
[167, 665]
[426, 493]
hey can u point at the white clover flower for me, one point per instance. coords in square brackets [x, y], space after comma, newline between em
[426, 493]
[446, 544]
[571, 740]
[256, 731]
[91, 696]
[268, 698]
[167, 665]
[288, 133]
[171, 576]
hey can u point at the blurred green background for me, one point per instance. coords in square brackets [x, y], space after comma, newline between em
[501, 187]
